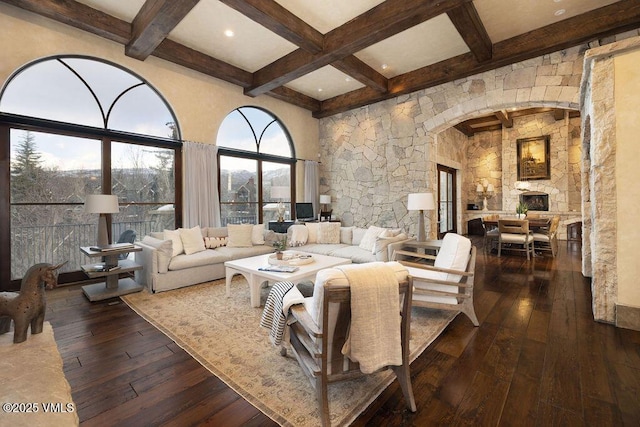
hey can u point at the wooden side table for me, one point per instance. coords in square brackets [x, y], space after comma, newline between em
[412, 250]
[111, 267]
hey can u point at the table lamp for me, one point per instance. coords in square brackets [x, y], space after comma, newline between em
[325, 200]
[421, 202]
[102, 204]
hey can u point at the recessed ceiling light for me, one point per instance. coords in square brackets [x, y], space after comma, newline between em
[229, 33]
[384, 66]
[319, 89]
[557, 1]
[559, 12]
[348, 79]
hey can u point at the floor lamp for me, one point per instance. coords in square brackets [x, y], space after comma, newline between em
[421, 202]
[102, 204]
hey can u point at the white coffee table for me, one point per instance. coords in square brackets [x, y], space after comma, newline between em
[248, 267]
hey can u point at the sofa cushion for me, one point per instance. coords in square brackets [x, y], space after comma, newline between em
[192, 240]
[215, 242]
[313, 231]
[217, 232]
[297, 235]
[369, 238]
[380, 248]
[257, 234]
[329, 232]
[174, 236]
[355, 253]
[164, 251]
[357, 234]
[237, 253]
[240, 235]
[346, 235]
[206, 257]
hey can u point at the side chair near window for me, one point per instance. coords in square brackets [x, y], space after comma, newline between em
[448, 283]
[514, 233]
[357, 322]
[546, 239]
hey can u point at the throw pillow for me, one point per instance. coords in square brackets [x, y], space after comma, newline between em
[380, 248]
[358, 234]
[329, 232]
[215, 242]
[369, 238]
[346, 235]
[240, 235]
[313, 231]
[174, 236]
[257, 234]
[192, 240]
[298, 235]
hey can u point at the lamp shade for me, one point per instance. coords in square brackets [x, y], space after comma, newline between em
[325, 199]
[421, 201]
[101, 203]
[280, 192]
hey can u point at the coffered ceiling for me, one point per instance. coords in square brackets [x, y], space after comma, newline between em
[331, 56]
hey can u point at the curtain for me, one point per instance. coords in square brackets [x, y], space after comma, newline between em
[201, 201]
[312, 184]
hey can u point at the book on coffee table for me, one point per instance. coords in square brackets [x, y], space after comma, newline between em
[279, 268]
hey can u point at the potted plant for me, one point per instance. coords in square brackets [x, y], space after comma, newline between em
[280, 245]
[521, 210]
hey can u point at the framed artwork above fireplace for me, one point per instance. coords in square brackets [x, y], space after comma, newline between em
[533, 158]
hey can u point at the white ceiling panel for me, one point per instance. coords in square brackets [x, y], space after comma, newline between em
[504, 20]
[125, 10]
[251, 48]
[325, 15]
[425, 44]
[324, 83]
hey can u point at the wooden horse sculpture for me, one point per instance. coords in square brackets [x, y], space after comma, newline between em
[28, 306]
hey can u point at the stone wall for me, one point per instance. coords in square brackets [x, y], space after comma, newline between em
[372, 157]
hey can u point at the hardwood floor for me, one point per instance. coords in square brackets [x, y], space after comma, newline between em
[537, 358]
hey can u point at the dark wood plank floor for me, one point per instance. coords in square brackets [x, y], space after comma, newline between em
[537, 359]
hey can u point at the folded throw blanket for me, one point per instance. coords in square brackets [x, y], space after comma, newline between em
[374, 337]
[276, 309]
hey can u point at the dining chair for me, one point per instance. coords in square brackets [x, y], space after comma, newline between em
[515, 232]
[490, 232]
[547, 239]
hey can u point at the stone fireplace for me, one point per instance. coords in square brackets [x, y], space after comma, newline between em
[535, 200]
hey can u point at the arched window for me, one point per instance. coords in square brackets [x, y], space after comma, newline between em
[256, 162]
[72, 126]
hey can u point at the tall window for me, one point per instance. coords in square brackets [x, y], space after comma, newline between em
[73, 126]
[255, 156]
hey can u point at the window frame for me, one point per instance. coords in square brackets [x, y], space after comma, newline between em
[260, 158]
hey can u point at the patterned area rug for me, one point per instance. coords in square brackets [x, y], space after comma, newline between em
[224, 335]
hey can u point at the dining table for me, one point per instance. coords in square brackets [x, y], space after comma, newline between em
[534, 223]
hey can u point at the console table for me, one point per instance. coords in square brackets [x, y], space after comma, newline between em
[280, 227]
[111, 267]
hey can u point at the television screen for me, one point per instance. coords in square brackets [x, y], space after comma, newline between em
[304, 211]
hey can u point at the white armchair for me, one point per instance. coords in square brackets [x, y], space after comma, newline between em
[448, 283]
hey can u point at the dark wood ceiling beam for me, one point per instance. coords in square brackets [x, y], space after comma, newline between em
[386, 19]
[154, 21]
[360, 71]
[296, 98]
[467, 21]
[504, 118]
[558, 114]
[462, 127]
[279, 20]
[79, 16]
[618, 17]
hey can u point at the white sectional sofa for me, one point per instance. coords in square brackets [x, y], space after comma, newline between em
[166, 266]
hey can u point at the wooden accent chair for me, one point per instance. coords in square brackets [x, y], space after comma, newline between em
[547, 240]
[448, 283]
[490, 232]
[513, 233]
[319, 328]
